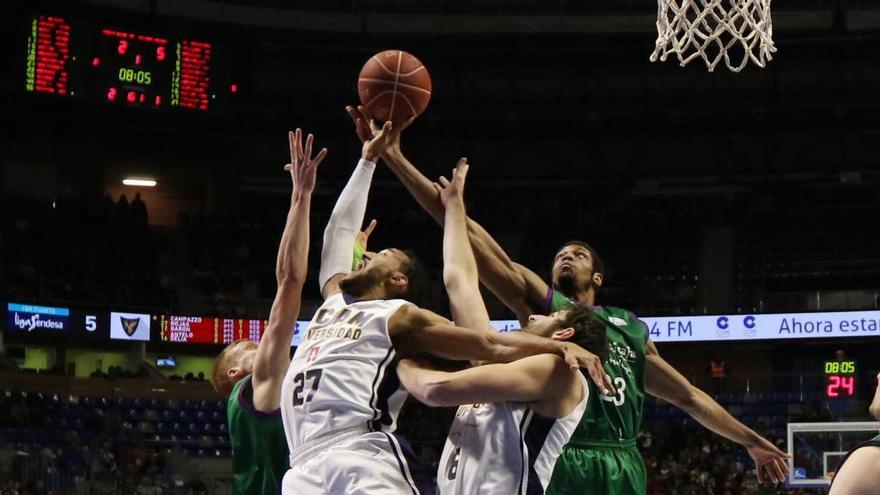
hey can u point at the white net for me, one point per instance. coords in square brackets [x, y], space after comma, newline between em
[735, 31]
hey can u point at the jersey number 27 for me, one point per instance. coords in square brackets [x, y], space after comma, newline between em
[305, 386]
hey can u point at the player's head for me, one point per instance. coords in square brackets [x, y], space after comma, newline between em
[577, 325]
[389, 274]
[577, 268]
[234, 363]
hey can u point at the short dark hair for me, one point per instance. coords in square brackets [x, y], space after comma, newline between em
[589, 330]
[598, 264]
[417, 279]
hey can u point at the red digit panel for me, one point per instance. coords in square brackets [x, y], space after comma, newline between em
[131, 97]
[160, 53]
[849, 384]
[122, 47]
[111, 94]
[833, 386]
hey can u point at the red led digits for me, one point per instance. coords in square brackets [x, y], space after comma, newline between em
[195, 58]
[146, 71]
[48, 53]
[833, 386]
[849, 384]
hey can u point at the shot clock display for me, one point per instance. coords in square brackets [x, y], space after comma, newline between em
[73, 58]
[840, 379]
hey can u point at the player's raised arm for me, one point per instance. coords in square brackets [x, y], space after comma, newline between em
[663, 381]
[460, 274]
[348, 215]
[519, 288]
[273, 353]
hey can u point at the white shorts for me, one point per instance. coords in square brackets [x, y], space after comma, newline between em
[372, 463]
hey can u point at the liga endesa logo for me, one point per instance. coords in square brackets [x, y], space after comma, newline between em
[34, 321]
[31, 317]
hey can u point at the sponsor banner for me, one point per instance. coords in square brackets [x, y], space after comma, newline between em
[31, 318]
[765, 326]
[838, 324]
[129, 326]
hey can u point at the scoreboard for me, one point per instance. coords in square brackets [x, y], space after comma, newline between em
[120, 66]
[209, 330]
[840, 379]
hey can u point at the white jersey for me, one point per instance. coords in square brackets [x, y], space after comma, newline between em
[504, 448]
[342, 377]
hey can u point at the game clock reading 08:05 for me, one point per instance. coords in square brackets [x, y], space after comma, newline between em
[139, 76]
[72, 57]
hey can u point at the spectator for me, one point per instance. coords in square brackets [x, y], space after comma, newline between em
[717, 370]
[123, 209]
[138, 211]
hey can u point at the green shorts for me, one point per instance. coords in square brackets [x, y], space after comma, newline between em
[599, 470]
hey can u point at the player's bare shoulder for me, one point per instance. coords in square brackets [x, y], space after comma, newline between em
[562, 388]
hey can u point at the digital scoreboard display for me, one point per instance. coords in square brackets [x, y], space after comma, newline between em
[201, 330]
[118, 66]
[840, 379]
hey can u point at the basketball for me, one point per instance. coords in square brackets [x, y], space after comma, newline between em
[394, 85]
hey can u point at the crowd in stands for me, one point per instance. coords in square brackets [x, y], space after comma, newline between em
[58, 444]
[88, 445]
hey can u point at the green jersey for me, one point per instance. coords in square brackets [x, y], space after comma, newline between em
[601, 456]
[615, 419]
[259, 448]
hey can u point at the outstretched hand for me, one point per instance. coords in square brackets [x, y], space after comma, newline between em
[453, 190]
[303, 167]
[367, 129]
[770, 462]
[578, 357]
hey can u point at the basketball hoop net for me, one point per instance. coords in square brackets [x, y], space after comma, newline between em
[735, 31]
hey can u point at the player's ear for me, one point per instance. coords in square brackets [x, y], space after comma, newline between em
[563, 334]
[234, 373]
[398, 280]
[597, 279]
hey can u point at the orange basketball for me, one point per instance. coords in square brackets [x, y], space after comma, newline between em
[394, 85]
